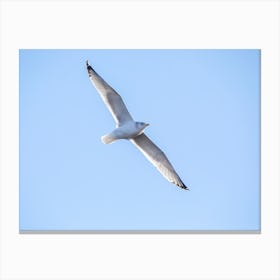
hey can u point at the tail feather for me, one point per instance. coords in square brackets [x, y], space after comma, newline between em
[108, 139]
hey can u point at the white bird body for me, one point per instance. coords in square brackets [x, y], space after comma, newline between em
[128, 129]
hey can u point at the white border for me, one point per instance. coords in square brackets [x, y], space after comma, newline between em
[140, 24]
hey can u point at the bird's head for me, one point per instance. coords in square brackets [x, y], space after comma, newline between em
[141, 125]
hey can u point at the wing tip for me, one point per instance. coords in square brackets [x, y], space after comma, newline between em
[183, 186]
[89, 68]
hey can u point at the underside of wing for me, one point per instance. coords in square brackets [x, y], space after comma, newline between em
[157, 157]
[110, 97]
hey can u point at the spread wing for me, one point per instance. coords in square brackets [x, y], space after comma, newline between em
[157, 157]
[111, 98]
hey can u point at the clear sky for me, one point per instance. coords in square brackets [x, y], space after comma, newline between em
[203, 107]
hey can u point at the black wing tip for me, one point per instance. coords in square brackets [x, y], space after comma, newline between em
[88, 66]
[183, 186]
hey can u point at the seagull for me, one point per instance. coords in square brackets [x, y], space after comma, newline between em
[127, 128]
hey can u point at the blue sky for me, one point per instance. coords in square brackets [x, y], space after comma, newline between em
[203, 107]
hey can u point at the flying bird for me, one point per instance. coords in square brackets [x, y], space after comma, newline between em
[127, 128]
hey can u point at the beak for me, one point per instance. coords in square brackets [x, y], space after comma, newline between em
[147, 124]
